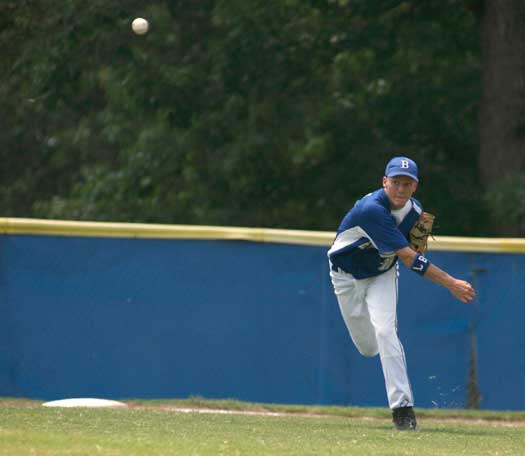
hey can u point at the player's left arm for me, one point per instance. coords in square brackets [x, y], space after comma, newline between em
[461, 289]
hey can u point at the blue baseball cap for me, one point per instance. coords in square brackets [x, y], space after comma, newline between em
[402, 166]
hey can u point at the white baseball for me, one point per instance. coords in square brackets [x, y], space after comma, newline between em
[140, 26]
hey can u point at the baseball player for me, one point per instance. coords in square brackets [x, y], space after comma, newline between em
[382, 227]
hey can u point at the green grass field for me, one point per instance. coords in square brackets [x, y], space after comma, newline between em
[157, 428]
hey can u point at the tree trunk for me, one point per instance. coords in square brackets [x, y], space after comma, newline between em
[502, 111]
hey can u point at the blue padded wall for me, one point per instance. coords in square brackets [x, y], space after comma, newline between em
[147, 318]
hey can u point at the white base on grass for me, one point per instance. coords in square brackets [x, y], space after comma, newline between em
[84, 402]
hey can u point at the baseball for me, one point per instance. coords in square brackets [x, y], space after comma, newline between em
[140, 26]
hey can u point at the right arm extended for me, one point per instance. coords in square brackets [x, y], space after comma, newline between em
[461, 289]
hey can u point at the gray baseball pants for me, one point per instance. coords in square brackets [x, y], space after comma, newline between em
[368, 307]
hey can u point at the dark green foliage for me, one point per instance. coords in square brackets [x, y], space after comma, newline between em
[505, 200]
[237, 112]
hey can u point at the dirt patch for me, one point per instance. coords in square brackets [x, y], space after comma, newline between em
[19, 403]
[182, 409]
[467, 421]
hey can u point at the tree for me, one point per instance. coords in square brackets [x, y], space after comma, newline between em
[241, 112]
[502, 114]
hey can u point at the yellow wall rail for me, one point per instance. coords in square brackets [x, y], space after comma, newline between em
[303, 237]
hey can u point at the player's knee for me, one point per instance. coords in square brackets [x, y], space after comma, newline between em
[368, 350]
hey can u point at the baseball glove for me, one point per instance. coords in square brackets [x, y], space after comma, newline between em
[422, 229]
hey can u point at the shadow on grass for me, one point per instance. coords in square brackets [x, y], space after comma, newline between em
[471, 432]
[432, 430]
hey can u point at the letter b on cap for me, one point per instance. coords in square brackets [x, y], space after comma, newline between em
[404, 164]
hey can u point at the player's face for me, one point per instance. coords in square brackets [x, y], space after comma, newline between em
[399, 189]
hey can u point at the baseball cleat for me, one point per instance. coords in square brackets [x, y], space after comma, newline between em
[404, 419]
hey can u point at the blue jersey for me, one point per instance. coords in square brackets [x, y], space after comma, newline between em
[370, 233]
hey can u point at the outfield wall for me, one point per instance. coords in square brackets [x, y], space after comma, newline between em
[154, 311]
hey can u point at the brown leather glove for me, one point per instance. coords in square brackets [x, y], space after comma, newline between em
[422, 229]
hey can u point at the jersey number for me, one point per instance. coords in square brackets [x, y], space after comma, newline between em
[386, 263]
